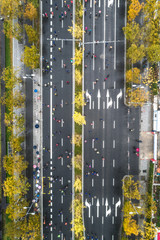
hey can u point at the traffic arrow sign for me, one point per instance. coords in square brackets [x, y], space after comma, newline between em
[89, 207]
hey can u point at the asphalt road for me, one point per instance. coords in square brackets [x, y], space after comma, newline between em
[111, 128]
[57, 121]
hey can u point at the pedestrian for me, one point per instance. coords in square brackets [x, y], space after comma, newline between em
[54, 58]
[52, 13]
[110, 48]
[85, 66]
[59, 49]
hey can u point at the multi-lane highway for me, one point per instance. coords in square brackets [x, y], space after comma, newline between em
[57, 120]
[107, 132]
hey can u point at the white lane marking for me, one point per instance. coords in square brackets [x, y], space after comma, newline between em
[51, 216]
[51, 185]
[90, 3]
[62, 43]
[51, 229]
[102, 163]
[92, 124]
[128, 125]
[118, 3]
[51, 173]
[51, 50]
[62, 142]
[61, 103]
[114, 84]
[50, 209]
[62, 236]
[62, 23]
[92, 219]
[99, 98]
[51, 36]
[110, 3]
[119, 96]
[51, 23]
[62, 63]
[62, 198]
[103, 144]
[62, 218]
[62, 161]
[51, 198]
[92, 182]
[113, 181]
[61, 180]
[92, 143]
[93, 104]
[50, 2]
[93, 34]
[102, 201]
[104, 37]
[51, 43]
[114, 104]
[50, 29]
[99, 3]
[103, 104]
[93, 85]
[62, 122]
[112, 219]
[112, 237]
[112, 200]
[92, 200]
[98, 205]
[128, 139]
[50, 162]
[103, 124]
[115, 31]
[51, 204]
[51, 123]
[51, 63]
[118, 204]
[51, 56]
[114, 143]
[61, 83]
[62, 3]
[50, 83]
[102, 182]
[102, 219]
[50, 76]
[92, 163]
[114, 124]
[113, 162]
[104, 85]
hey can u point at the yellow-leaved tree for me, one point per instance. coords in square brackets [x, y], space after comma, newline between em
[133, 75]
[77, 31]
[134, 9]
[78, 185]
[78, 162]
[30, 11]
[78, 76]
[131, 188]
[31, 57]
[78, 118]
[77, 139]
[130, 226]
[138, 97]
[79, 100]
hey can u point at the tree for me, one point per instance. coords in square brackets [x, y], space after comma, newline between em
[30, 11]
[78, 118]
[18, 99]
[14, 164]
[79, 100]
[9, 8]
[149, 230]
[19, 123]
[12, 29]
[31, 33]
[77, 139]
[10, 78]
[14, 185]
[133, 75]
[131, 188]
[16, 143]
[133, 32]
[130, 226]
[134, 9]
[138, 97]
[130, 209]
[78, 185]
[135, 53]
[78, 57]
[150, 206]
[77, 31]
[153, 53]
[78, 77]
[31, 57]
[16, 210]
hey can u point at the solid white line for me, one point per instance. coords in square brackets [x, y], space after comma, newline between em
[61, 83]
[102, 182]
[104, 85]
[103, 124]
[51, 123]
[62, 63]
[114, 143]
[113, 182]
[102, 201]
[92, 219]
[92, 143]
[92, 182]
[114, 124]
[62, 142]
[62, 161]
[115, 31]
[103, 143]
[93, 34]
[102, 219]
[92, 163]
[113, 162]
[102, 163]
[104, 36]
[93, 104]
[112, 200]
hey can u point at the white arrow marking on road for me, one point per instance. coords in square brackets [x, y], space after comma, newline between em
[88, 96]
[118, 97]
[108, 211]
[97, 207]
[89, 207]
[110, 3]
[98, 96]
[116, 206]
[109, 102]
[106, 203]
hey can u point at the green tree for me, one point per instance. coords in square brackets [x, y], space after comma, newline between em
[12, 29]
[31, 57]
[134, 9]
[78, 76]
[78, 162]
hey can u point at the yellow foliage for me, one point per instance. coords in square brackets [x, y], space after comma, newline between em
[30, 11]
[131, 188]
[78, 57]
[9, 8]
[78, 185]
[79, 100]
[78, 77]
[134, 9]
[133, 75]
[78, 118]
[77, 31]
[31, 57]
[77, 139]
[130, 226]
[138, 97]
[78, 162]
